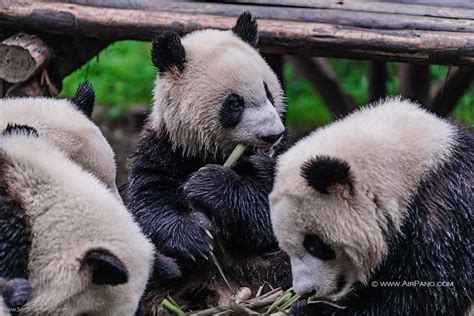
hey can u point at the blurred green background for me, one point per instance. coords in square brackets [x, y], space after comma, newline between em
[123, 76]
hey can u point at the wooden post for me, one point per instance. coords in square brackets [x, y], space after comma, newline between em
[377, 78]
[447, 91]
[414, 82]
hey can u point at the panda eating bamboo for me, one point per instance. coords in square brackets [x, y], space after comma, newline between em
[213, 91]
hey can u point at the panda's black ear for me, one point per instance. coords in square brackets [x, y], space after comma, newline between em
[246, 28]
[167, 52]
[105, 267]
[323, 173]
[16, 292]
[13, 128]
[84, 98]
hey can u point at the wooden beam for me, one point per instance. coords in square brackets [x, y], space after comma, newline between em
[446, 93]
[374, 6]
[325, 81]
[362, 19]
[289, 37]
[414, 82]
[377, 78]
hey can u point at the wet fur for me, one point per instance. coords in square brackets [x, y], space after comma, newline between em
[166, 187]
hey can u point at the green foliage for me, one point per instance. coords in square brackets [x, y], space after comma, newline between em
[123, 76]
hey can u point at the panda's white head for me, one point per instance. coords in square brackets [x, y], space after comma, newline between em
[67, 124]
[214, 90]
[314, 227]
[340, 193]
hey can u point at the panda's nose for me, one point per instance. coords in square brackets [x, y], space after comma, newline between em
[270, 139]
[309, 294]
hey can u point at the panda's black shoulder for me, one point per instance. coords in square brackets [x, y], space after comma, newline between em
[15, 233]
[156, 152]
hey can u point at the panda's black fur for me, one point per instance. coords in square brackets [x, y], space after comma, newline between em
[158, 171]
[157, 174]
[15, 239]
[436, 243]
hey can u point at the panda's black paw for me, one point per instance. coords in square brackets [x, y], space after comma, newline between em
[206, 188]
[192, 239]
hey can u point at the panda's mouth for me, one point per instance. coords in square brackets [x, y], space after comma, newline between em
[265, 150]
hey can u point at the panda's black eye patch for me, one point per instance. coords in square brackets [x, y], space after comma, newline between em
[231, 111]
[318, 248]
[268, 93]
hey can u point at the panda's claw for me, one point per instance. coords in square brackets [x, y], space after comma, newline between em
[192, 258]
[205, 257]
[209, 234]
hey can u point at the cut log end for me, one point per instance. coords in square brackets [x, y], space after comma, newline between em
[23, 56]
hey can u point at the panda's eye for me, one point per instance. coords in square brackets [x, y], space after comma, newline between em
[318, 248]
[235, 105]
[231, 110]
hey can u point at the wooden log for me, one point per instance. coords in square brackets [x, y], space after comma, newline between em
[290, 37]
[326, 83]
[441, 3]
[446, 93]
[414, 82]
[369, 20]
[377, 78]
[70, 53]
[23, 56]
[448, 11]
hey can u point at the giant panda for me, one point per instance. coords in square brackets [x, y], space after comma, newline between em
[67, 124]
[383, 195]
[13, 295]
[213, 91]
[65, 232]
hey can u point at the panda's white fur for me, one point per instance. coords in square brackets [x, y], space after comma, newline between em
[4, 311]
[70, 212]
[68, 129]
[187, 105]
[389, 148]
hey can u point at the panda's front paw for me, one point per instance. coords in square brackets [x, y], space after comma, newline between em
[205, 188]
[193, 239]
